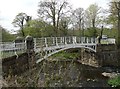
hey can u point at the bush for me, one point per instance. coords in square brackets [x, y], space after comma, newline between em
[115, 82]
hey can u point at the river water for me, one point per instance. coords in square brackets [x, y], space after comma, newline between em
[70, 74]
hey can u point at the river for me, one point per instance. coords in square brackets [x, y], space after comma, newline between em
[70, 74]
[60, 73]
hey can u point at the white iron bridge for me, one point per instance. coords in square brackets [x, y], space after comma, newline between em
[47, 46]
[52, 45]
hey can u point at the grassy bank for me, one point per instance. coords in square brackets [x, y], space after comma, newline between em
[66, 55]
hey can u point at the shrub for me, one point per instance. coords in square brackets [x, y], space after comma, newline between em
[115, 82]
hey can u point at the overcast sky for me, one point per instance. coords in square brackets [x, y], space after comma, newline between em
[10, 8]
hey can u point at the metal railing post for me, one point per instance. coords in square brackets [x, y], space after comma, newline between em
[34, 44]
[61, 40]
[75, 39]
[82, 39]
[56, 42]
[87, 40]
[65, 41]
[46, 42]
[53, 40]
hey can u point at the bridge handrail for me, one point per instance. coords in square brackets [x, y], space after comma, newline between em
[12, 46]
[62, 40]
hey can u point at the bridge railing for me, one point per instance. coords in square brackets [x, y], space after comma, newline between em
[57, 41]
[10, 48]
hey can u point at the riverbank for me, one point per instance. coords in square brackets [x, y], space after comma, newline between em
[61, 70]
[60, 74]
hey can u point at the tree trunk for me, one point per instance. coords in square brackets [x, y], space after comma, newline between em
[93, 23]
[100, 37]
[80, 27]
[54, 25]
[22, 25]
[118, 29]
[23, 34]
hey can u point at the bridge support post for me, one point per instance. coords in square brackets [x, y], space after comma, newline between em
[30, 50]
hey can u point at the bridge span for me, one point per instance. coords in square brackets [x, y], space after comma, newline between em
[52, 45]
[47, 46]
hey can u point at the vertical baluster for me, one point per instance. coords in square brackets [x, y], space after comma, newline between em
[53, 41]
[81, 40]
[34, 44]
[65, 41]
[46, 53]
[87, 40]
[84, 39]
[61, 40]
[91, 40]
[78, 41]
[73, 40]
[69, 40]
[46, 42]
[56, 42]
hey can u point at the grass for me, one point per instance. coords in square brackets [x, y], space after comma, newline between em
[66, 55]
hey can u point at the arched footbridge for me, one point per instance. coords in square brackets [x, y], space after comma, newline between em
[51, 45]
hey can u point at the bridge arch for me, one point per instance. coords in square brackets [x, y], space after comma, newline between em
[62, 49]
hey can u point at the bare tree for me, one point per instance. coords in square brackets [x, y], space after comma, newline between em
[79, 15]
[52, 10]
[63, 26]
[28, 18]
[20, 20]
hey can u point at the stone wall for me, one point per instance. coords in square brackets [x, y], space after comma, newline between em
[105, 47]
[89, 58]
[16, 66]
[106, 55]
[109, 58]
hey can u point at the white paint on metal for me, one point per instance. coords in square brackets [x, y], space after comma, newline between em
[62, 43]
